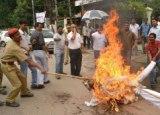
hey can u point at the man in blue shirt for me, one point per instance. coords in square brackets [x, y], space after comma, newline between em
[144, 30]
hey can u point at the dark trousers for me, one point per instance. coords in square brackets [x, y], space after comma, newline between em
[87, 41]
[76, 61]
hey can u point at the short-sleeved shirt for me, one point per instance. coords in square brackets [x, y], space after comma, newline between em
[153, 48]
[13, 52]
[155, 30]
[76, 43]
[99, 41]
[24, 43]
[134, 28]
[38, 37]
[59, 44]
[145, 29]
[25, 39]
[127, 39]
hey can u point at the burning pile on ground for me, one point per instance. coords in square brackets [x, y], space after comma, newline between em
[113, 82]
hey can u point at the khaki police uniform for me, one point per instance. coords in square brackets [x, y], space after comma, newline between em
[11, 54]
[1, 76]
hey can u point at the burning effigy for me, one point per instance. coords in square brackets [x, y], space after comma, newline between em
[113, 83]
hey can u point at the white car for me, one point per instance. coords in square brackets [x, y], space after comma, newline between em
[4, 38]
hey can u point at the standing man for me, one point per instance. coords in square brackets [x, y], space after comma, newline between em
[159, 21]
[85, 34]
[144, 30]
[39, 53]
[128, 40]
[155, 29]
[24, 43]
[153, 53]
[134, 27]
[75, 43]
[13, 53]
[99, 41]
[59, 48]
[89, 36]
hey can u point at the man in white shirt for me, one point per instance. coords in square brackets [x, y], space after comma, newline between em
[26, 48]
[75, 43]
[159, 21]
[155, 29]
[134, 27]
[99, 41]
[84, 32]
[59, 50]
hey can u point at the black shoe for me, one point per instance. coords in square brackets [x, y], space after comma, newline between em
[40, 86]
[3, 91]
[28, 94]
[3, 86]
[47, 82]
[12, 104]
[58, 77]
[80, 75]
[34, 86]
[37, 86]
[156, 81]
[63, 73]
[1, 103]
[153, 87]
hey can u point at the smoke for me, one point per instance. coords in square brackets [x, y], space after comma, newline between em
[120, 7]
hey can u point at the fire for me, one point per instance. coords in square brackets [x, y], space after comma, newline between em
[113, 80]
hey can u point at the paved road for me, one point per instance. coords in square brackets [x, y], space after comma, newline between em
[67, 96]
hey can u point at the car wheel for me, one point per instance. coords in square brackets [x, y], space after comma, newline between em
[2, 44]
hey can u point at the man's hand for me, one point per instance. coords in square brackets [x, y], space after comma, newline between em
[43, 71]
[66, 62]
[153, 59]
[49, 55]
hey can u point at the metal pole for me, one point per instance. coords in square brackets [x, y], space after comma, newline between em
[33, 12]
[82, 8]
[70, 10]
[56, 10]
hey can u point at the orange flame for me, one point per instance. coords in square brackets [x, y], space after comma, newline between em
[112, 77]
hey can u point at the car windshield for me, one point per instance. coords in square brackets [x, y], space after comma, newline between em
[47, 34]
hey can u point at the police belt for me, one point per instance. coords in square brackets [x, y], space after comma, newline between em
[9, 63]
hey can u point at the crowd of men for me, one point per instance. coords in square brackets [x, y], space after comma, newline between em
[67, 45]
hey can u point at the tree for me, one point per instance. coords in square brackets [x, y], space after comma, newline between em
[63, 8]
[131, 9]
[6, 8]
[24, 11]
[155, 4]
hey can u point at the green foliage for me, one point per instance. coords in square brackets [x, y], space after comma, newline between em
[131, 9]
[22, 11]
[63, 8]
[11, 11]
[155, 4]
[6, 10]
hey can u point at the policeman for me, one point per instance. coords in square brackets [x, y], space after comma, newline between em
[13, 53]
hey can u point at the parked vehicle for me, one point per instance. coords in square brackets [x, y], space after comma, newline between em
[48, 38]
[4, 38]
